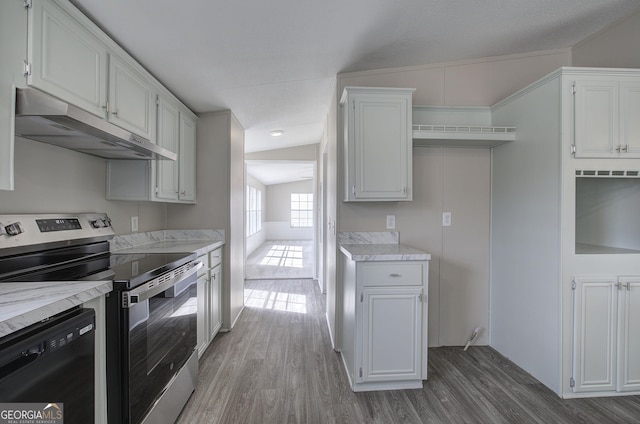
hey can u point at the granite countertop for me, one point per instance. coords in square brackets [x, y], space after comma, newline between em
[23, 304]
[169, 241]
[200, 247]
[383, 252]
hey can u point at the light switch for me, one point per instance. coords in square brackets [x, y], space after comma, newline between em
[391, 222]
[446, 219]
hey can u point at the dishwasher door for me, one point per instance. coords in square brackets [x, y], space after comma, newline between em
[51, 363]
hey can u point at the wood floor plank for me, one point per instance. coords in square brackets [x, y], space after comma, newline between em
[278, 367]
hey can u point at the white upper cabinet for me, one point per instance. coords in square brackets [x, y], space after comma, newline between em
[377, 143]
[606, 111]
[160, 180]
[168, 137]
[187, 159]
[13, 39]
[66, 59]
[131, 99]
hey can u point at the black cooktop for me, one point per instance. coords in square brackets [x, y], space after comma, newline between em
[126, 270]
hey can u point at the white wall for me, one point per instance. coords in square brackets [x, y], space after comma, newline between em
[258, 238]
[453, 180]
[278, 211]
[54, 179]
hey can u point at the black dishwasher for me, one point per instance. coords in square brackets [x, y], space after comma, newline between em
[52, 363]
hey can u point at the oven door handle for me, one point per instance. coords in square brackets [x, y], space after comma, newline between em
[159, 284]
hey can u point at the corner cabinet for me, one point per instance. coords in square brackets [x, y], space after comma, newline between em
[384, 324]
[377, 142]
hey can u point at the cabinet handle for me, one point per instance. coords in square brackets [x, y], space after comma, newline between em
[625, 148]
[618, 148]
[394, 275]
[628, 285]
[115, 113]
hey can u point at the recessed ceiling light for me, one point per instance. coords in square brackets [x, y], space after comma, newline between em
[276, 133]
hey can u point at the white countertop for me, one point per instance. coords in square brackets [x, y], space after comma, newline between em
[23, 304]
[200, 247]
[383, 252]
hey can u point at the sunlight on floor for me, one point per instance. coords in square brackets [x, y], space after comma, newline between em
[278, 301]
[283, 255]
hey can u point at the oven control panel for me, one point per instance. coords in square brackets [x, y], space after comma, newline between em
[21, 233]
[58, 224]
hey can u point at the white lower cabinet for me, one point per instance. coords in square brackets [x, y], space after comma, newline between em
[392, 324]
[606, 334]
[384, 324]
[209, 319]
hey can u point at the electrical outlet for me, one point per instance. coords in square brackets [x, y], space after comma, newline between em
[391, 222]
[446, 219]
[134, 224]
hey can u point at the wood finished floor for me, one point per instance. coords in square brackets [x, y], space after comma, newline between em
[278, 367]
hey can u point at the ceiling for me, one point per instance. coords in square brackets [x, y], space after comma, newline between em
[273, 63]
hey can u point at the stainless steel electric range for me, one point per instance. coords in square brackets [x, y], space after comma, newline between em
[151, 330]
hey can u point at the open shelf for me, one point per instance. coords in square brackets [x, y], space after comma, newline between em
[462, 136]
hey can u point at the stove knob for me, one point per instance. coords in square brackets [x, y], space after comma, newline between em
[98, 223]
[14, 229]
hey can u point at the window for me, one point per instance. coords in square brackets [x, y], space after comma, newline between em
[301, 210]
[254, 210]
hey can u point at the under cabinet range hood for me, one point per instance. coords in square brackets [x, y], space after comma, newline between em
[44, 118]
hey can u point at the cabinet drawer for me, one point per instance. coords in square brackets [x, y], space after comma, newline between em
[216, 257]
[392, 273]
[205, 264]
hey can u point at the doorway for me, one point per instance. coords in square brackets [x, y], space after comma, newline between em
[281, 217]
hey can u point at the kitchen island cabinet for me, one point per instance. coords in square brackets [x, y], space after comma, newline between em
[384, 319]
[377, 141]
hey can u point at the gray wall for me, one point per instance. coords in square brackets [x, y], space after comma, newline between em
[54, 179]
[220, 200]
[615, 47]
[456, 180]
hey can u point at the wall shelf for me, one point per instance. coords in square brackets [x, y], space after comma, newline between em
[462, 135]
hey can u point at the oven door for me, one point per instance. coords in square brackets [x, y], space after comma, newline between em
[160, 332]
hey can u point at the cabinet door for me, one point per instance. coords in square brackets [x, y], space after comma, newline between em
[131, 100]
[381, 159]
[202, 325]
[596, 119]
[67, 61]
[629, 118]
[187, 159]
[215, 317]
[629, 334]
[595, 338]
[168, 136]
[392, 334]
